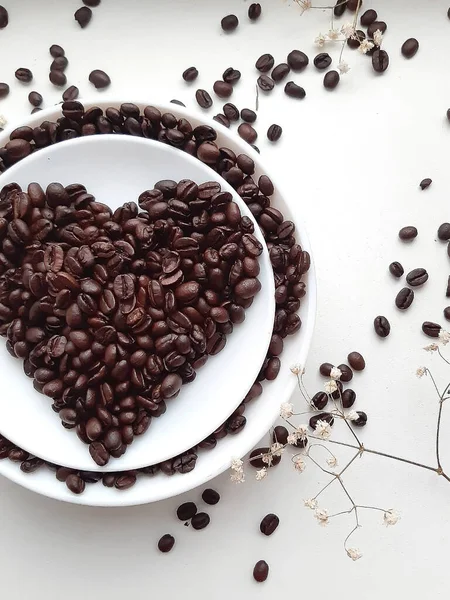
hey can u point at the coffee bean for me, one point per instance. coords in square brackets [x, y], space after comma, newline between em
[56, 51]
[229, 23]
[325, 416]
[99, 79]
[24, 75]
[444, 232]
[71, 93]
[200, 520]
[380, 61]
[4, 90]
[382, 326]
[203, 98]
[361, 420]
[297, 60]
[404, 298]
[354, 41]
[59, 64]
[274, 133]
[254, 11]
[260, 571]
[347, 373]
[280, 435]
[431, 329]
[348, 398]
[417, 277]
[248, 115]
[407, 233]
[396, 269]
[166, 543]
[331, 80]
[368, 17]
[75, 484]
[256, 458]
[190, 74]
[376, 26]
[410, 47]
[265, 83]
[83, 16]
[264, 63]
[322, 61]
[210, 496]
[4, 17]
[425, 183]
[57, 78]
[447, 313]
[294, 91]
[325, 369]
[247, 133]
[340, 8]
[268, 524]
[231, 112]
[231, 75]
[280, 72]
[35, 99]
[186, 511]
[356, 361]
[223, 89]
[222, 120]
[99, 453]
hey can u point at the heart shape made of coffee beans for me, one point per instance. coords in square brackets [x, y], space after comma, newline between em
[113, 312]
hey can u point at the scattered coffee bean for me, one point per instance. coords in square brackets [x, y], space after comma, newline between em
[265, 63]
[325, 369]
[4, 17]
[361, 420]
[56, 51]
[200, 520]
[223, 89]
[274, 133]
[448, 114]
[231, 112]
[280, 435]
[254, 11]
[347, 373]
[247, 133]
[356, 361]
[396, 269]
[297, 60]
[353, 5]
[369, 17]
[186, 511]
[322, 61]
[166, 543]
[248, 115]
[376, 26]
[382, 326]
[268, 524]
[35, 99]
[57, 78]
[355, 40]
[280, 72]
[265, 83]
[190, 74]
[319, 400]
[256, 458]
[222, 120]
[203, 98]
[348, 398]
[177, 102]
[35, 110]
[294, 91]
[331, 80]
[407, 233]
[100, 79]
[71, 93]
[447, 313]
[425, 183]
[325, 416]
[231, 75]
[404, 298]
[431, 329]
[229, 23]
[83, 16]
[410, 47]
[447, 292]
[4, 90]
[380, 61]
[417, 277]
[260, 571]
[444, 232]
[210, 496]
[24, 75]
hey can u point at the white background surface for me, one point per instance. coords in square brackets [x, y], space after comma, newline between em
[353, 160]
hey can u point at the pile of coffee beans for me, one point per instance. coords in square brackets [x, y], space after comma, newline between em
[288, 259]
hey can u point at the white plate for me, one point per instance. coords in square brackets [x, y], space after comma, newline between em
[117, 169]
[260, 414]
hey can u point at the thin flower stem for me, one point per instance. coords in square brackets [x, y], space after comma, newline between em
[371, 508]
[343, 512]
[442, 356]
[350, 534]
[319, 465]
[325, 487]
[438, 432]
[348, 464]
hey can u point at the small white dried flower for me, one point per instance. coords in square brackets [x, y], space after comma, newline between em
[237, 465]
[305, 4]
[421, 371]
[261, 474]
[320, 40]
[377, 38]
[391, 517]
[3, 121]
[333, 34]
[348, 30]
[237, 477]
[335, 373]
[299, 463]
[352, 416]
[311, 503]
[444, 337]
[332, 462]
[297, 369]
[286, 410]
[322, 516]
[431, 348]
[330, 386]
[343, 67]
[276, 449]
[267, 458]
[353, 553]
[322, 429]
[302, 432]
[292, 438]
[365, 46]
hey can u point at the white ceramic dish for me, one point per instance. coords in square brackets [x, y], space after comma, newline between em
[203, 405]
[260, 414]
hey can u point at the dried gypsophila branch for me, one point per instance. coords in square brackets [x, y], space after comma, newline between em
[322, 432]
